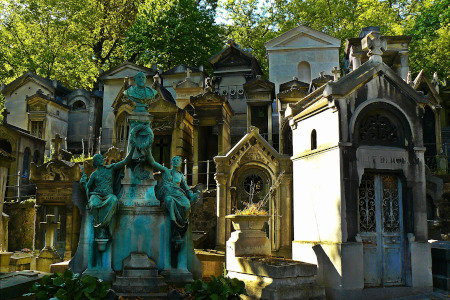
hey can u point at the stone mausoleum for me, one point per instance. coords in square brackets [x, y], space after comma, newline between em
[343, 161]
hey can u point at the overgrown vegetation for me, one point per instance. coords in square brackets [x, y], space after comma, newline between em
[219, 288]
[69, 286]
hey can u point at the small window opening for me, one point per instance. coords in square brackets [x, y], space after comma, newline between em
[313, 139]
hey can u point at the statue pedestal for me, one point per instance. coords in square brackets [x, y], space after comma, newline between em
[99, 255]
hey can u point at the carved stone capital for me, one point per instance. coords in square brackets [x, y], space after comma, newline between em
[221, 178]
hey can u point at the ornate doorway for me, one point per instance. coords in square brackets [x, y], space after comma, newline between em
[381, 229]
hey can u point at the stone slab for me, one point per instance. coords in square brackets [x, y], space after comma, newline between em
[261, 287]
[59, 267]
[4, 261]
[20, 261]
[15, 284]
[272, 267]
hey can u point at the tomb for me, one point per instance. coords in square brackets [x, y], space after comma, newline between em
[254, 162]
[54, 181]
[360, 141]
[48, 255]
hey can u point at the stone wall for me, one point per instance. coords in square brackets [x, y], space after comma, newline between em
[204, 218]
[21, 224]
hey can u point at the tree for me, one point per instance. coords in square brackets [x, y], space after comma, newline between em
[430, 43]
[252, 23]
[62, 39]
[173, 32]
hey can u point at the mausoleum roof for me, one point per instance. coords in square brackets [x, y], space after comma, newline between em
[60, 89]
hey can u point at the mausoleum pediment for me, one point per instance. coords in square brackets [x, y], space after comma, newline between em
[302, 37]
[127, 69]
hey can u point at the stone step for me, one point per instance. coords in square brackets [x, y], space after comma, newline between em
[139, 284]
[140, 273]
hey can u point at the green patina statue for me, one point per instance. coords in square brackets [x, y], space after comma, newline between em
[103, 190]
[176, 195]
[140, 94]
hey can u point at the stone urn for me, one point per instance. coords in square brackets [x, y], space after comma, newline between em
[248, 239]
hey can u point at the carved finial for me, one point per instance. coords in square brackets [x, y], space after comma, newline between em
[321, 74]
[157, 79]
[253, 128]
[57, 146]
[435, 82]
[188, 73]
[230, 42]
[409, 78]
[295, 78]
[336, 72]
[5, 114]
[375, 44]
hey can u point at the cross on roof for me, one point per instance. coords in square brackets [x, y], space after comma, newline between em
[336, 72]
[188, 73]
[5, 114]
[50, 225]
[57, 145]
[375, 44]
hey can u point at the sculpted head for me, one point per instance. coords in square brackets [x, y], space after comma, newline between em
[97, 161]
[140, 79]
[176, 161]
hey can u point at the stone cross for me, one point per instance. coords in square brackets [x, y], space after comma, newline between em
[188, 73]
[375, 44]
[50, 226]
[57, 142]
[5, 114]
[337, 73]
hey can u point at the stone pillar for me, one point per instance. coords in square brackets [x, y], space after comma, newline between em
[404, 65]
[69, 232]
[269, 123]
[4, 165]
[195, 166]
[221, 180]
[220, 136]
[356, 60]
[249, 117]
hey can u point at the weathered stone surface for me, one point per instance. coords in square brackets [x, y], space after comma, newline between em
[20, 261]
[20, 229]
[4, 261]
[213, 262]
[15, 284]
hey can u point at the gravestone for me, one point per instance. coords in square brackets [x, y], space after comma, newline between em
[48, 255]
[54, 181]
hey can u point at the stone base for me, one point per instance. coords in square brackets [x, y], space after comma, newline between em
[177, 277]
[212, 262]
[47, 257]
[15, 284]
[140, 278]
[59, 267]
[276, 279]
[4, 261]
[20, 261]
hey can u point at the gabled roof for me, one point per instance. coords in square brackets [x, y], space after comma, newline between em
[40, 95]
[260, 85]
[60, 89]
[294, 83]
[302, 37]
[121, 99]
[127, 69]
[352, 81]
[423, 83]
[181, 69]
[165, 94]
[248, 142]
[233, 50]
[210, 98]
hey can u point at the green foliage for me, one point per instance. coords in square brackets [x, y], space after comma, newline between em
[62, 39]
[429, 27]
[219, 288]
[173, 32]
[69, 286]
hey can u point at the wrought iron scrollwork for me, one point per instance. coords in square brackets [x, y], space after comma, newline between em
[391, 210]
[378, 129]
[367, 220]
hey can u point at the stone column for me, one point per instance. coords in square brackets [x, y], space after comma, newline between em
[195, 166]
[69, 232]
[249, 116]
[404, 65]
[356, 60]
[220, 136]
[269, 123]
[4, 165]
[221, 180]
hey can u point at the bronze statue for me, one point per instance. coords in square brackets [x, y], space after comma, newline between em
[140, 93]
[103, 190]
